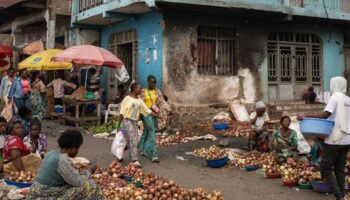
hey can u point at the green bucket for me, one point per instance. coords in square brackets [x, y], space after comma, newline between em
[305, 186]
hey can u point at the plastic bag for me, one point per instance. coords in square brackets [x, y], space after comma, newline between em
[303, 146]
[122, 74]
[118, 144]
[239, 111]
[7, 112]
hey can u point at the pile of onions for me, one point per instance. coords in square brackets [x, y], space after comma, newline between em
[238, 129]
[174, 139]
[21, 176]
[242, 160]
[131, 169]
[154, 187]
[211, 153]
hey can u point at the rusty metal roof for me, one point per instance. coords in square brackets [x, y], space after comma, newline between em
[8, 3]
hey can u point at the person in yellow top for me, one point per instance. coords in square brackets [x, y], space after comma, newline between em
[130, 110]
[154, 100]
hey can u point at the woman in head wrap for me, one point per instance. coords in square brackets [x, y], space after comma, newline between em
[338, 142]
[258, 120]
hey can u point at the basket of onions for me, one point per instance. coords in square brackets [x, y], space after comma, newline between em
[20, 179]
[215, 156]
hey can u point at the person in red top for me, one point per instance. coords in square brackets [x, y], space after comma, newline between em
[14, 147]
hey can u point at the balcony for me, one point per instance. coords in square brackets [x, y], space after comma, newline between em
[103, 12]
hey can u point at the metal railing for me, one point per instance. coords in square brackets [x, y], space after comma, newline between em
[87, 4]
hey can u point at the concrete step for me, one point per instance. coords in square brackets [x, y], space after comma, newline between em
[291, 102]
[298, 107]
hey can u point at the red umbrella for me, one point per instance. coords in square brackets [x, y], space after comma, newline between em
[89, 55]
[5, 51]
[3, 63]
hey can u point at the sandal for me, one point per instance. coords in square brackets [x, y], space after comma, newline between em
[155, 160]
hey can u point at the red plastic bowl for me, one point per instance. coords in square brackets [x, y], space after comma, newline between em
[273, 175]
[290, 184]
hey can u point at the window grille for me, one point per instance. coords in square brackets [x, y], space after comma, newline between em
[216, 50]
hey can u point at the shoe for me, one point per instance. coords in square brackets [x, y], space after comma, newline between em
[155, 160]
[142, 154]
[137, 163]
[120, 160]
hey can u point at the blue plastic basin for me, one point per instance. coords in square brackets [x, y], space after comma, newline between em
[316, 127]
[220, 126]
[251, 168]
[128, 178]
[58, 110]
[18, 184]
[218, 162]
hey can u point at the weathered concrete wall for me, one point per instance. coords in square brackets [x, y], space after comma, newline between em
[82, 36]
[184, 84]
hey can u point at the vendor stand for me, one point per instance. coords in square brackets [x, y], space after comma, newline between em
[76, 103]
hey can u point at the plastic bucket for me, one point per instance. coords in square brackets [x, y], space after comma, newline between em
[321, 187]
[316, 127]
[58, 110]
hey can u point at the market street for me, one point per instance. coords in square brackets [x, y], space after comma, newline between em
[235, 184]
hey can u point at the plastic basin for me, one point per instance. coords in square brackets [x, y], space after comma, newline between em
[316, 127]
[58, 110]
[218, 162]
[18, 184]
[290, 183]
[273, 175]
[321, 187]
[305, 186]
[251, 168]
[128, 178]
[260, 172]
[220, 126]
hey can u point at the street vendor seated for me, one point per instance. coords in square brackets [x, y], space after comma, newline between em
[58, 179]
[284, 139]
[14, 147]
[259, 134]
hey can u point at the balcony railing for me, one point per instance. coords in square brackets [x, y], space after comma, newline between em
[87, 4]
[327, 5]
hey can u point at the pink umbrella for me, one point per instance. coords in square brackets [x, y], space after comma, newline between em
[88, 55]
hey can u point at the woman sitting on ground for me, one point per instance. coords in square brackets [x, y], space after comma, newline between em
[14, 147]
[57, 179]
[258, 120]
[284, 137]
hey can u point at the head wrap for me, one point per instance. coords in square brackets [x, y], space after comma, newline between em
[338, 84]
[260, 105]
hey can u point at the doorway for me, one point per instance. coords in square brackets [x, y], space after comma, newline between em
[124, 46]
[294, 64]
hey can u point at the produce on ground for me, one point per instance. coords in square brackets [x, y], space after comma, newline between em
[211, 153]
[167, 140]
[154, 187]
[238, 129]
[243, 160]
[104, 128]
[22, 176]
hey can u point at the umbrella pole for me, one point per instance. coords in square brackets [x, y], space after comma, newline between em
[86, 75]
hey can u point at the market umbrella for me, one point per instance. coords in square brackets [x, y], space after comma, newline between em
[5, 51]
[42, 61]
[89, 55]
[34, 47]
[3, 63]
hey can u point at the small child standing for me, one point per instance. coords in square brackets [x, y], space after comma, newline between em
[36, 139]
[3, 124]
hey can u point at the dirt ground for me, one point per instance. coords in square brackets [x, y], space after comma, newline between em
[192, 172]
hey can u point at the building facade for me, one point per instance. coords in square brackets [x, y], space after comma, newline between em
[206, 53]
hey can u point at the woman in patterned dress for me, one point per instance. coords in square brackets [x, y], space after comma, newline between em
[37, 96]
[57, 179]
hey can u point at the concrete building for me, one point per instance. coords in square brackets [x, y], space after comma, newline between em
[25, 21]
[206, 53]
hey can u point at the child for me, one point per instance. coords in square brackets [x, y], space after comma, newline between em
[58, 87]
[3, 124]
[258, 119]
[36, 138]
[25, 115]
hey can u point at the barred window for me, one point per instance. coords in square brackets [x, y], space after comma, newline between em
[216, 48]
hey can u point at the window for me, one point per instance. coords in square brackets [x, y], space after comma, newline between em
[294, 57]
[216, 48]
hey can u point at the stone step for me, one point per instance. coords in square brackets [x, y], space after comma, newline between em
[291, 102]
[298, 107]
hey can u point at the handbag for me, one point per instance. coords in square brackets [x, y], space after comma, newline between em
[154, 108]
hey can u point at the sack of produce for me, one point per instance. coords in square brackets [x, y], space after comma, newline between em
[118, 145]
[31, 163]
[78, 93]
[7, 112]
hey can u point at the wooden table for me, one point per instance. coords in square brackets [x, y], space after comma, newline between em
[77, 119]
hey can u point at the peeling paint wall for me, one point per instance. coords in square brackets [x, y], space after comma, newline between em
[184, 84]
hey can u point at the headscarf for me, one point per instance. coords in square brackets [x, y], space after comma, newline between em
[260, 105]
[338, 87]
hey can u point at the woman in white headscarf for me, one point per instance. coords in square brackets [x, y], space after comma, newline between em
[258, 136]
[337, 144]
